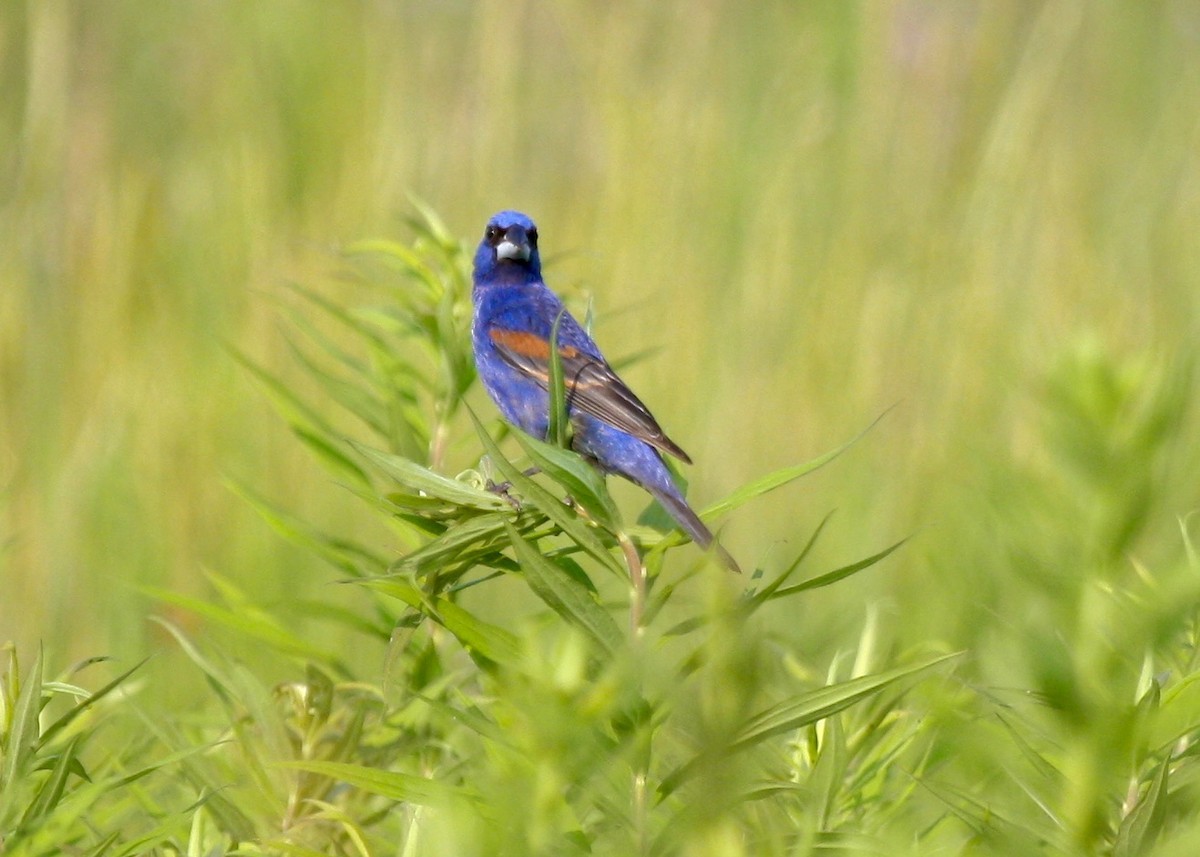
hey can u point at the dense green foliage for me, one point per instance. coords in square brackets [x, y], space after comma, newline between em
[977, 219]
[550, 729]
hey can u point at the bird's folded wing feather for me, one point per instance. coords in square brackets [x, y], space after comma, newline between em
[591, 385]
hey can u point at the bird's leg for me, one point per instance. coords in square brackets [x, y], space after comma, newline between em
[501, 488]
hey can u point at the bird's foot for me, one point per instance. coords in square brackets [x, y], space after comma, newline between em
[501, 489]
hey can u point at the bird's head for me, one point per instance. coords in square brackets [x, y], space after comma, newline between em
[509, 249]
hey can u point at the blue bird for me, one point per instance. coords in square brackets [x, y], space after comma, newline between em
[515, 313]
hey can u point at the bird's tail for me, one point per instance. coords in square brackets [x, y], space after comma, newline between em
[691, 524]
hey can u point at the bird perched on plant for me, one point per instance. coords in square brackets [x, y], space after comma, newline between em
[515, 317]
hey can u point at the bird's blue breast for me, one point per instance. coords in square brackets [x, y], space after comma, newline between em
[522, 402]
[525, 404]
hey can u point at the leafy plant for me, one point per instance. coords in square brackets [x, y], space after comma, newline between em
[1082, 739]
[552, 728]
[51, 799]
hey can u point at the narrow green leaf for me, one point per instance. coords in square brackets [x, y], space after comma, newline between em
[104, 844]
[582, 482]
[1049, 774]
[230, 814]
[565, 518]
[828, 776]
[194, 654]
[768, 591]
[250, 621]
[433, 225]
[565, 595]
[350, 558]
[404, 502]
[692, 623]
[349, 742]
[337, 461]
[481, 532]
[338, 312]
[465, 714]
[402, 590]
[491, 641]
[820, 703]
[838, 573]
[401, 258]
[390, 784]
[421, 478]
[1142, 826]
[451, 339]
[986, 820]
[353, 396]
[294, 410]
[806, 709]
[23, 733]
[351, 618]
[51, 791]
[783, 476]
[69, 717]
[753, 600]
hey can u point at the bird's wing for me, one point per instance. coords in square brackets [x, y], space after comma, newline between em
[591, 385]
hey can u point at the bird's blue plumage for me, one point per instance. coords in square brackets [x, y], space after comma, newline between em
[515, 314]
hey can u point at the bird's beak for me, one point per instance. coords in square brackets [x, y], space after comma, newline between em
[515, 245]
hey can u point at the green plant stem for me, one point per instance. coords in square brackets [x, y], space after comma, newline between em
[637, 630]
[437, 444]
[637, 579]
[639, 810]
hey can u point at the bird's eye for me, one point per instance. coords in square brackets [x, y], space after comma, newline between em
[492, 233]
[532, 236]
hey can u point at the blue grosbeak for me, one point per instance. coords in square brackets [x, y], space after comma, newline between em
[515, 314]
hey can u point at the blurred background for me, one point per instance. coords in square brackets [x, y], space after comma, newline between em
[982, 216]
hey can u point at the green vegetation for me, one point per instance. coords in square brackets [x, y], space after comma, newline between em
[240, 434]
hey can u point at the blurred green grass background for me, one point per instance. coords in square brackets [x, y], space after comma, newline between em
[985, 214]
